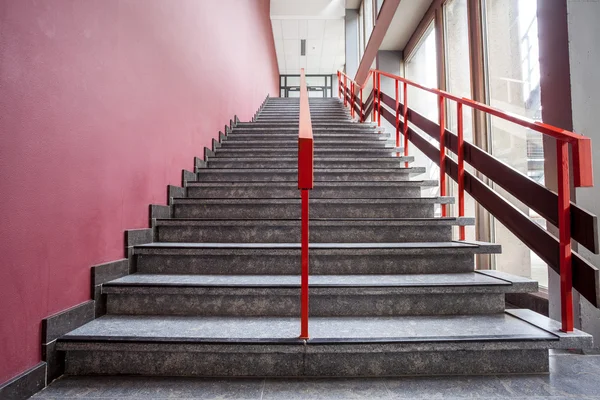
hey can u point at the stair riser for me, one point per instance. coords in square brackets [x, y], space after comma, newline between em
[367, 137]
[351, 163]
[240, 176]
[322, 262]
[274, 118]
[285, 211]
[293, 152]
[294, 360]
[350, 233]
[258, 302]
[278, 192]
[289, 134]
[365, 144]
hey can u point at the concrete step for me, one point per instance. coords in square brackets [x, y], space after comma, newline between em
[315, 125]
[291, 175]
[325, 258]
[364, 190]
[417, 207]
[320, 142]
[288, 133]
[356, 152]
[321, 230]
[330, 295]
[341, 137]
[324, 163]
[516, 341]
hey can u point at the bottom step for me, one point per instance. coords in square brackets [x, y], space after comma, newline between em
[513, 342]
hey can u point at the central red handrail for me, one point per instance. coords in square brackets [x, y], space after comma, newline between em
[305, 183]
[581, 150]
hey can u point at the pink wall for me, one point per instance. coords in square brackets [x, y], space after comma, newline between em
[102, 104]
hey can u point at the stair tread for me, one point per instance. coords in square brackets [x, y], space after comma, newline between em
[405, 280]
[316, 221]
[321, 184]
[399, 245]
[407, 329]
[392, 200]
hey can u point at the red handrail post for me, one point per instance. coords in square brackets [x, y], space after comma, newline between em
[564, 228]
[405, 127]
[397, 116]
[362, 117]
[442, 114]
[461, 168]
[352, 99]
[374, 113]
[339, 84]
[345, 90]
[304, 257]
[378, 99]
[305, 183]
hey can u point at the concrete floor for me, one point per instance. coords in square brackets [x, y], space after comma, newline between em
[571, 377]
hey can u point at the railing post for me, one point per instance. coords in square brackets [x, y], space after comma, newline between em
[352, 99]
[405, 117]
[461, 168]
[378, 99]
[362, 117]
[374, 113]
[564, 228]
[345, 90]
[442, 115]
[339, 84]
[304, 276]
[397, 117]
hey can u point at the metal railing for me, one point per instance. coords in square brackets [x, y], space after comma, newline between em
[305, 183]
[573, 222]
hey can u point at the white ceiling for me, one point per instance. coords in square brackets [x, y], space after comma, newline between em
[407, 18]
[321, 23]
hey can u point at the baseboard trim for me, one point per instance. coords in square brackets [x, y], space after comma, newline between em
[25, 385]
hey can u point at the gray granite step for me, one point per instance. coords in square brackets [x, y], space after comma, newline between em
[418, 207]
[321, 230]
[511, 342]
[325, 258]
[293, 142]
[322, 189]
[330, 296]
[273, 152]
[318, 137]
[323, 163]
[320, 175]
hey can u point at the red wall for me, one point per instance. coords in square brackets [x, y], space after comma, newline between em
[102, 104]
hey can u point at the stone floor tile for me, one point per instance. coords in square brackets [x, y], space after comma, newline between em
[325, 389]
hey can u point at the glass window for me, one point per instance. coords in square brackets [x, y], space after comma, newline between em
[458, 67]
[368, 14]
[361, 33]
[421, 68]
[513, 79]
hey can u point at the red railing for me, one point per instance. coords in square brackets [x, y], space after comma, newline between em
[305, 183]
[561, 216]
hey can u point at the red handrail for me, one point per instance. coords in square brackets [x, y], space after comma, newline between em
[582, 163]
[305, 183]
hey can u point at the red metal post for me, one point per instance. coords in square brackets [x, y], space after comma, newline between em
[352, 99]
[345, 90]
[362, 117]
[564, 228]
[304, 277]
[397, 117]
[378, 99]
[339, 85]
[405, 117]
[374, 113]
[461, 169]
[442, 114]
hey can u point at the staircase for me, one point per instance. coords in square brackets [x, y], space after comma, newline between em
[391, 293]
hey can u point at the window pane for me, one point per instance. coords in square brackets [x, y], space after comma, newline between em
[459, 83]
[514, 86]
[422, 68]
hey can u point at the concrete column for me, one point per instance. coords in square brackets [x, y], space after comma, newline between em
[352, 60]
[584, 58]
